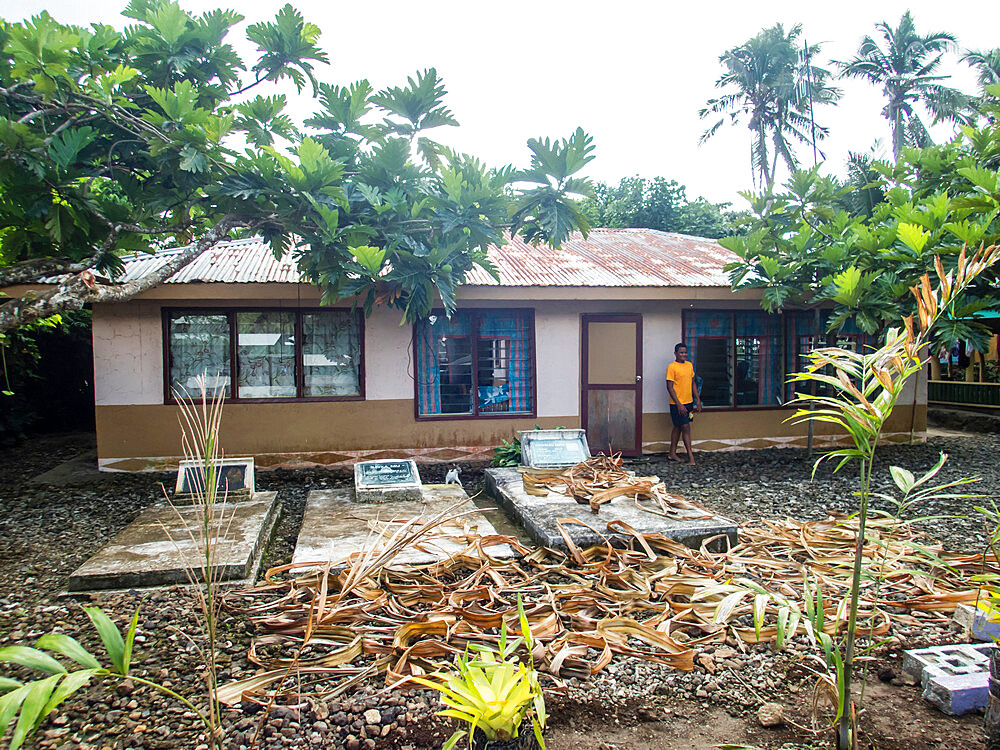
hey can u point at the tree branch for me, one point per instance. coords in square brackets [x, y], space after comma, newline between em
[80, 290]
[28, 271]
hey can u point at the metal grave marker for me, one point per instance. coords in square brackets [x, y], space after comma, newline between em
[553, 449]
[385, 480]
[234, 476]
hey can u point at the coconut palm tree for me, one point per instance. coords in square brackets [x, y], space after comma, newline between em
[904, 64]
[768, 86]
[986, 65]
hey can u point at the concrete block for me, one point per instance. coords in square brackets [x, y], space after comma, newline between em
[959, 658]
[959, 694]
[976, 623]
[541, 516]
[955, 678]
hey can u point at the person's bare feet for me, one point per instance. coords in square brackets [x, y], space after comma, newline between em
[690, 462]
[674, 457]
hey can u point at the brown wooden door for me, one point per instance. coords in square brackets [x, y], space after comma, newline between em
[611, 402]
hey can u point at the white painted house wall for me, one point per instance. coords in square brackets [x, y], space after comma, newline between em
[128, 351]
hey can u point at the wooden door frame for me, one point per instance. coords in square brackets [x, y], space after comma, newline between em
[585, 320]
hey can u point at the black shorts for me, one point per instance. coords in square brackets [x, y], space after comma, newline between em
[675, 414]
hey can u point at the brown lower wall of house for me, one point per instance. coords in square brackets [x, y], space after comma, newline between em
[152, 430]
[138, 437]
[757, 423]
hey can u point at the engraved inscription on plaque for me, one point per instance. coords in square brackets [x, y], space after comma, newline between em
[385, 480]
[545, 449]
[387, 472]
[234, 476]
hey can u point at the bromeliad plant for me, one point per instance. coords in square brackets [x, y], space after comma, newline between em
[32, 701]
[862, 390]
[494, 692]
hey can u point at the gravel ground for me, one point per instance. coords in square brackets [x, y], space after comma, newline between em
[46, 531]
[775, 483]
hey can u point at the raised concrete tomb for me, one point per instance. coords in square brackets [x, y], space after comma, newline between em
[335, 526]
[539, 516]
[156, 548]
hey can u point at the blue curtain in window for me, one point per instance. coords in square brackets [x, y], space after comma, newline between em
[704, 323]
[766, 329]
[425, 350]
[513, 325]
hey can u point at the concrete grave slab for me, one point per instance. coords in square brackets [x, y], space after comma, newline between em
[154, 549]
[539, 517]
[335, 526]
[387, 480]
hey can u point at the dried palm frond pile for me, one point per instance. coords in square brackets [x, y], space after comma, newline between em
[601, 479]
[325, 630]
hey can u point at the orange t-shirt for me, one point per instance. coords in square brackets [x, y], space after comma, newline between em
[681, 374]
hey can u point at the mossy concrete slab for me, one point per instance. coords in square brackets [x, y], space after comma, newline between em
[335, 526]
[540, 518]
[156, 548]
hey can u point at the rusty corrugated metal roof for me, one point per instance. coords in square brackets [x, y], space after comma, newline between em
[607, 258]
[247, 261]
[610, 258]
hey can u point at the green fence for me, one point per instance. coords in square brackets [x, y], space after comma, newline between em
[958, 392]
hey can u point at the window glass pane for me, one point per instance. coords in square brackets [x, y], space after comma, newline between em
[712, 366]
[265, 352]
[748, 372]
[199, 345]
[331, 354]
[464, 371]
[504, 369]
[455, 374]
[759, 377]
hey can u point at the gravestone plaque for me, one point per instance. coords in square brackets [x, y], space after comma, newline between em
[385, 480]
[234, 476]
[553, 449]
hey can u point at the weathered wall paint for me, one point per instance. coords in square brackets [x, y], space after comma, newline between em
[136, 430]
[128, 358]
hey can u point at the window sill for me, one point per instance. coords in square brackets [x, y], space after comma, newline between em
[475, 417]
[766, 407]
[290, 400]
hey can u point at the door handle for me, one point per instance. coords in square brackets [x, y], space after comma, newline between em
[638, 378]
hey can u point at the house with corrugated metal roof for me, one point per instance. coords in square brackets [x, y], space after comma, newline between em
[578, 336]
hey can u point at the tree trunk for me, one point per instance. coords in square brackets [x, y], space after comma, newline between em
[991, 722]
[80, 290]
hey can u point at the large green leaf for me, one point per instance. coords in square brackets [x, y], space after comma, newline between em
[69, 647]
[112, 639]
[10, 703]
[31, 658]
[70, 684]
[35, 700]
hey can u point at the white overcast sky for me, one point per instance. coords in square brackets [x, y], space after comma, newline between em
[632, 74]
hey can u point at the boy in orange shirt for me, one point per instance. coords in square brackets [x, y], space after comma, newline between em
[683, 397]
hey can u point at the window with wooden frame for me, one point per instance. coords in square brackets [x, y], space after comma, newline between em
[478, 363]
[255, 355]
[806, 331]
[737, 357]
